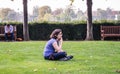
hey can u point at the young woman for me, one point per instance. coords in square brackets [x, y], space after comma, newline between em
[53, 48]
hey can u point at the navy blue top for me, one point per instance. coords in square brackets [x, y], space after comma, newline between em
[49, 49]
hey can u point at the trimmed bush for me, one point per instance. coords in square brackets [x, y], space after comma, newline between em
[71, 31]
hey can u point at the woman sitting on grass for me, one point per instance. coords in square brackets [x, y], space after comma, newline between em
[53, 49]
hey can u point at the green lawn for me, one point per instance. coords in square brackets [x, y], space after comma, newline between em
[90, 57]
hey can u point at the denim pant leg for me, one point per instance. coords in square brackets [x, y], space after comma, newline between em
[6, 36]
[59, 55]
[12, 36]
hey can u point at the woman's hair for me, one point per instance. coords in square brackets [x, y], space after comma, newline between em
[55, 33]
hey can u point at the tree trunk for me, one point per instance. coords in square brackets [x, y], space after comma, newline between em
[89, 21]
[25, 22]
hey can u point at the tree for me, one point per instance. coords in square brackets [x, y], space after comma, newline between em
[69, 13]
[80, 15]
[57, 14]
[44, 10]
[89, 35]
[4, 13]
[57, 11]
[25, 22]
[89, 21]
[102, 14]
[12, 16]
[47, 17]
[35, 13]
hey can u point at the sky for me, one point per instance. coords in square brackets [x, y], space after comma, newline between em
[17, 5]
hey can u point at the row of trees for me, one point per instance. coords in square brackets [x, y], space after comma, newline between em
[69, 14]
[7, 14]
[43, 13]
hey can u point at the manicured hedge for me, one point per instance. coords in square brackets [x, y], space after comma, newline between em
[41, 31]
[70, 32]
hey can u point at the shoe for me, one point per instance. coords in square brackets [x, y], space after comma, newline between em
[69, 57]
[64, 59]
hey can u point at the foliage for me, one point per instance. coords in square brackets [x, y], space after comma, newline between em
[90, 57]
[4, 13]
[71, 30]
[44, 10]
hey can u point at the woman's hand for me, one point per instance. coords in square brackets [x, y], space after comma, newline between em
[61, 40]
[56, 47]
[60, 50]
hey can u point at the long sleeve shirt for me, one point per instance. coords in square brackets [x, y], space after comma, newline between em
[8, 29]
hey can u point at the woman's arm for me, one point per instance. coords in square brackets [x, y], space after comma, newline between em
[56, 47]
[60, 43]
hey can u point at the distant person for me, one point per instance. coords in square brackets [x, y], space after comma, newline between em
[53, 48]
[9, 32]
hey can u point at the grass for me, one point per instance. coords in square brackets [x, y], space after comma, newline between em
[90, 57]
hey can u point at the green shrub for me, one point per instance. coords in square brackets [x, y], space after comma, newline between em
[71, 31]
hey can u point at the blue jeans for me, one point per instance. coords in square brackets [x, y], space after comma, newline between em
[56, 56]
[9, 35]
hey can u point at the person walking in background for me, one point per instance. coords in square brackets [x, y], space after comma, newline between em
[53, 48]
[9, 32]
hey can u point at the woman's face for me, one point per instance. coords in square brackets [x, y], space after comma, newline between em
[59, 36]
